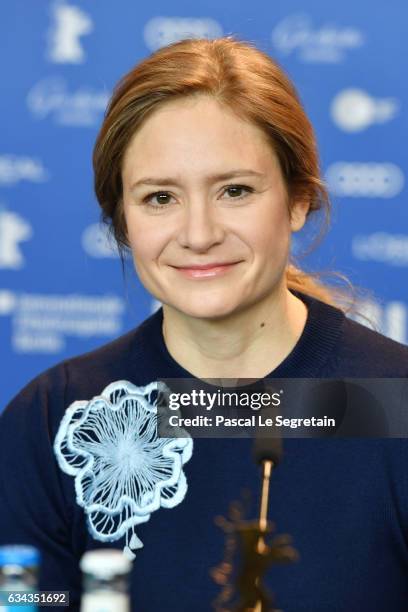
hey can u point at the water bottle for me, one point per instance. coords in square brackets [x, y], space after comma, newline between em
[18, 572]
[105, 575]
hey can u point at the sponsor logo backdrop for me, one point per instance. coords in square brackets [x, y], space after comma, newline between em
[62, 291]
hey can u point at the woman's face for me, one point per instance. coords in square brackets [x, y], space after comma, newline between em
[201, 187]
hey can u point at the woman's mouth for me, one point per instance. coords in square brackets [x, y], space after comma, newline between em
[206, 271]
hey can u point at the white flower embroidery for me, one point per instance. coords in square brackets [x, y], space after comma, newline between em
[123, 471]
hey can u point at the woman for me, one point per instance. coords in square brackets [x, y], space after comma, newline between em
[205, 165]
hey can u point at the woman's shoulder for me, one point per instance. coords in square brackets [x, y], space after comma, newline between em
[337, 346]
[363, 352]
[132, 344]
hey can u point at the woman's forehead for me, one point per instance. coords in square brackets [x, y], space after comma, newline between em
[200, 133]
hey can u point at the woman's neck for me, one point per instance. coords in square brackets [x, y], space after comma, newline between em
[250, 344]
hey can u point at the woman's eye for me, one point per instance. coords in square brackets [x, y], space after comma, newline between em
[236, 191]
[158, 199]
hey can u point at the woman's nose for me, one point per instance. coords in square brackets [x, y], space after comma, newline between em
[201, 229]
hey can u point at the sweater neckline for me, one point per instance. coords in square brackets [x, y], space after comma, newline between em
[307, 358]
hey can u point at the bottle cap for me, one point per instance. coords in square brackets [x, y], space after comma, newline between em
[19, 554]
[105, 563]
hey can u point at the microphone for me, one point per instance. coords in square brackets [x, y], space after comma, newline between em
[267, 449]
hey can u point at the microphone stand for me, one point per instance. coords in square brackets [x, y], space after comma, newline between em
[267, 467]
[257, 555]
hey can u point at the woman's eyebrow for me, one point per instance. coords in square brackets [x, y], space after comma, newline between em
[210, 179]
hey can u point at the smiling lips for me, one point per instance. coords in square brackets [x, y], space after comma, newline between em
[206, 271]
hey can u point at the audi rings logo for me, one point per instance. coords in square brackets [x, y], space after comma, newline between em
[161, 31]
[365, 180]
[386, 248]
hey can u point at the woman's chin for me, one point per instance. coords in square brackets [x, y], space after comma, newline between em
[205, 309]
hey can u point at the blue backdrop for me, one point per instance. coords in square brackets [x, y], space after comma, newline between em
[61, 285]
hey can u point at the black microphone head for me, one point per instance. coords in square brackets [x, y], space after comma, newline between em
[267, 449]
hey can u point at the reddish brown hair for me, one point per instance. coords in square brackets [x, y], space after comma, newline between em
[243, 79]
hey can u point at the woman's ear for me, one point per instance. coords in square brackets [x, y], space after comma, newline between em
[298, 214]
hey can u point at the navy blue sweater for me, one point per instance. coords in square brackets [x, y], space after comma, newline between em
[344, 501]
